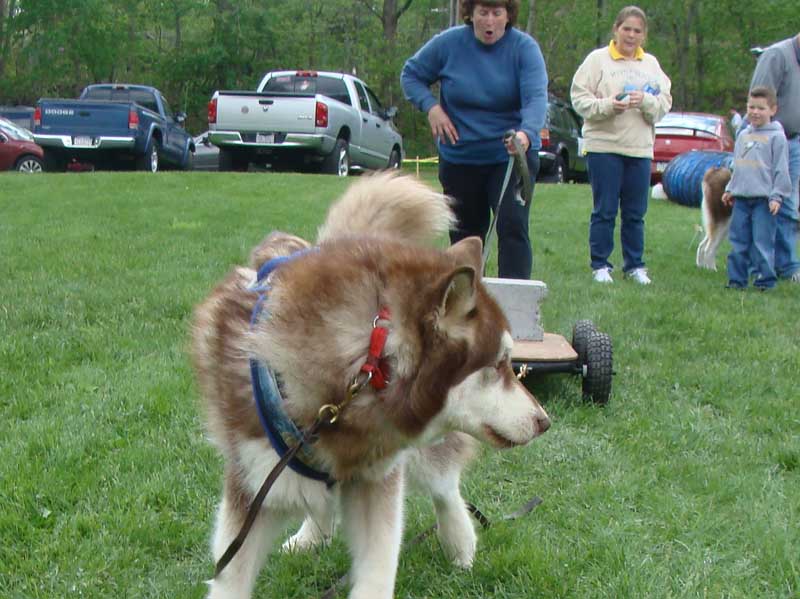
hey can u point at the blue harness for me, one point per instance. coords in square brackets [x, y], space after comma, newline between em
[279, 428]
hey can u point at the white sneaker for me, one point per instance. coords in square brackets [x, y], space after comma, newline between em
[639, 275]
[795, 278]
[602, 275]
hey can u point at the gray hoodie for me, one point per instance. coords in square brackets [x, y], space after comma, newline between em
[761, 164]
[779, 68]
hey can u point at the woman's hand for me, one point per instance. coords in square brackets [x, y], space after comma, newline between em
[636, 98]
[632, 99]
[441, 125]
[523, 140]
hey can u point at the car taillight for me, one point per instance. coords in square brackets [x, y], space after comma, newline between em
[37, 117]
[305, 74]
[212, 111]
[133, 120]
[321, 117]
[544, 134]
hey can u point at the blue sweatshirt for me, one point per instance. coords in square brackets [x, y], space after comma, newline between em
[485, 90]
[761, 164]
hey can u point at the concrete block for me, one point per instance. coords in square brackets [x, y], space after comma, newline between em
[520, 300]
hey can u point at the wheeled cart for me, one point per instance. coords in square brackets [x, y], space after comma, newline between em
[589, 354]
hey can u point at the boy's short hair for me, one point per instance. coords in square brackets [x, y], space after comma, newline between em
[762, 91]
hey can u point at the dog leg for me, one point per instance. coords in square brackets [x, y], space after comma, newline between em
[437, 470]
[720, 233]
[238, 578]
[372, 521]
[700, 258]
[316, 530]
[456, 532]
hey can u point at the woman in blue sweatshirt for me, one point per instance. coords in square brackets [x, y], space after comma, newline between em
[492, 78]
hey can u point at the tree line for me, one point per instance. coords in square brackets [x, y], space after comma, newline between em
[189, 48]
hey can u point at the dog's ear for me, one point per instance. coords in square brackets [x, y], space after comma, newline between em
[458, 297]
[457, 289]
[468, 252]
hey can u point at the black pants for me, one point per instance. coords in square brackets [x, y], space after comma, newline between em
[476, 193]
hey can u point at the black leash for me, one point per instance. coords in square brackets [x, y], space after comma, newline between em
[485, 523]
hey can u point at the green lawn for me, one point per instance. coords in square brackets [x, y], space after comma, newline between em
[686, 485]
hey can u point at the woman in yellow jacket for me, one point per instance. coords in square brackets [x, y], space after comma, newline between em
[621, 92]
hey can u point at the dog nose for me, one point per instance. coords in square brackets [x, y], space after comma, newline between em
[542, 424]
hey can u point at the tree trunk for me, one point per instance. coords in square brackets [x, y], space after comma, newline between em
[601, 23]
[700, 67]
[531, 18]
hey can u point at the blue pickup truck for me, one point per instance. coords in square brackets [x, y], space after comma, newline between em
[112, 125]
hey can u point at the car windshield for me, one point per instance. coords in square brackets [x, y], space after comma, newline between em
[14, 131]
[696, 122]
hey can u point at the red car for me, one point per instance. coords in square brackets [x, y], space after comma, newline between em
[17, 150]
[680, 132]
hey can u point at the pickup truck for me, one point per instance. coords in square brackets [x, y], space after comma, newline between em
[326, 121]
[110, 125]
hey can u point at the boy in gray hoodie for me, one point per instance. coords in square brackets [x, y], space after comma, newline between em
[760, 183]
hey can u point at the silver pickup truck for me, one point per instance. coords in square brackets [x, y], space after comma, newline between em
[330, 122]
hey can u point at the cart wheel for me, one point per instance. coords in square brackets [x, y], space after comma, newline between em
[580, 338]
[599, 368]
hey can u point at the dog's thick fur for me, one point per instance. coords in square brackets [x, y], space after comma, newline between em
[448, 348]
[716, 216]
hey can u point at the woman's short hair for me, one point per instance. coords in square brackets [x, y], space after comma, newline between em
[631, 11]
[467, 7]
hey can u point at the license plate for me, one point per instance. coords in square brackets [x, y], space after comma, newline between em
[661, 166]
[265, 138]
[82, 140]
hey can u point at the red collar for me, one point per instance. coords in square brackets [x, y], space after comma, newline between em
[376, 366]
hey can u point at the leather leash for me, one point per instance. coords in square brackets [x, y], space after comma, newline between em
[328, 414]
[516, 163]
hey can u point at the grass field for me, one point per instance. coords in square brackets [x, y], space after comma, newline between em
[686, 485]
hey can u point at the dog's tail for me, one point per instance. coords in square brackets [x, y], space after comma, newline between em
[389, 204]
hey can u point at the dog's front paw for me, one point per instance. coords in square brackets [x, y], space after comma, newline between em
[310, 536]
[459, 545]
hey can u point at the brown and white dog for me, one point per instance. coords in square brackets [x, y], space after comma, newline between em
[716, 216]
[448, 349]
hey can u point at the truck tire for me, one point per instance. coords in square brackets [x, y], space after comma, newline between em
[189, 164]
[149, 160]
[560, 170]
[338, 161]
[394, 160]
[230, 160]
[53, 162]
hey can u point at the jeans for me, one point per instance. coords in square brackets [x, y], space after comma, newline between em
[619, 183]
[475, 189]
[786, 260]
[752, 238]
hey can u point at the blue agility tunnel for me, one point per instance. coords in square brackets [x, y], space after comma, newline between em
[683, 177]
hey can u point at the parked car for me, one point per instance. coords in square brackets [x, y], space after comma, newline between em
[17, 149]
[680, 132]
[112, 124]
[331, 122]
[560, 157]
[206, 154]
